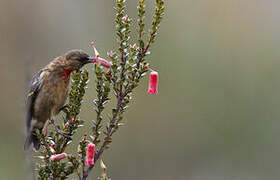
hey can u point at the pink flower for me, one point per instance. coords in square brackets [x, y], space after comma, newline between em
[97, 59]
[90, 154]
[58, 157]
[102, 61]
[153, 85]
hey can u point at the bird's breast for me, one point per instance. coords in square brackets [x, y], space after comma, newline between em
[60, 93]
[52, 96]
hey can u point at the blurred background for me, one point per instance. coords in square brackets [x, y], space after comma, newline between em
[216, 116]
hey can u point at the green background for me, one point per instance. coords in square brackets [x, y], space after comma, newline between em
[216, 116]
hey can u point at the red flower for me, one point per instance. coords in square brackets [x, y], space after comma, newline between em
[153, 85]
[102, 61]
[58, 157]
[90, 154]
[97, 59]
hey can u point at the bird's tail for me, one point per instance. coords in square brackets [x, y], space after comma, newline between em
[32, 126]
[32, 138]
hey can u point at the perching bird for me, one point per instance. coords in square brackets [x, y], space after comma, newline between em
[48, 92]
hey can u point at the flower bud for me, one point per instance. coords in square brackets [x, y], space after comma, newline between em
[126, 18]
[111, 54]
[84, 138]
[134, 46]
[52, 149]
[66, 124]
[109, 72]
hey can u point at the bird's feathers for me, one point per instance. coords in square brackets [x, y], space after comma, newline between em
[34, 89]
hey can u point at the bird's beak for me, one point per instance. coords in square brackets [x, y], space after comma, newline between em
[91, 59]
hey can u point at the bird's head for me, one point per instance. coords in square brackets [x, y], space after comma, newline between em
[76, 59]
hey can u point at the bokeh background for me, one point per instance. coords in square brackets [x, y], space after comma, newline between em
[216, 116]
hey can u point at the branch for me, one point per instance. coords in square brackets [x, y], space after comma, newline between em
[106, 139]
[103, 84]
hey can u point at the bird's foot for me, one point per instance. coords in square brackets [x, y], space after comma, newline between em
[64, 108]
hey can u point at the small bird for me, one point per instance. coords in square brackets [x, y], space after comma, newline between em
[48, 92]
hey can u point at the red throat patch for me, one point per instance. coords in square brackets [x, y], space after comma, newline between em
[66, 73]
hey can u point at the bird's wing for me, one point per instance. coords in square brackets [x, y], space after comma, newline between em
[34, 89]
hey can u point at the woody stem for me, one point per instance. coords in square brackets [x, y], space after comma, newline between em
[109, 135]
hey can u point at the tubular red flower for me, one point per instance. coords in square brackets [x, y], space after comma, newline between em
[90, 154]
[97, 59]
[103, 62]
[58, 157]
[153, 85]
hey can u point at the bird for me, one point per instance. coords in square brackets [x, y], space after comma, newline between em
[48, 91]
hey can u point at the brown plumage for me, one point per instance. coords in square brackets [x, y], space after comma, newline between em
[48, 92]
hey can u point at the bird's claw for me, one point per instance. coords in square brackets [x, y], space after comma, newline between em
[64, 108]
